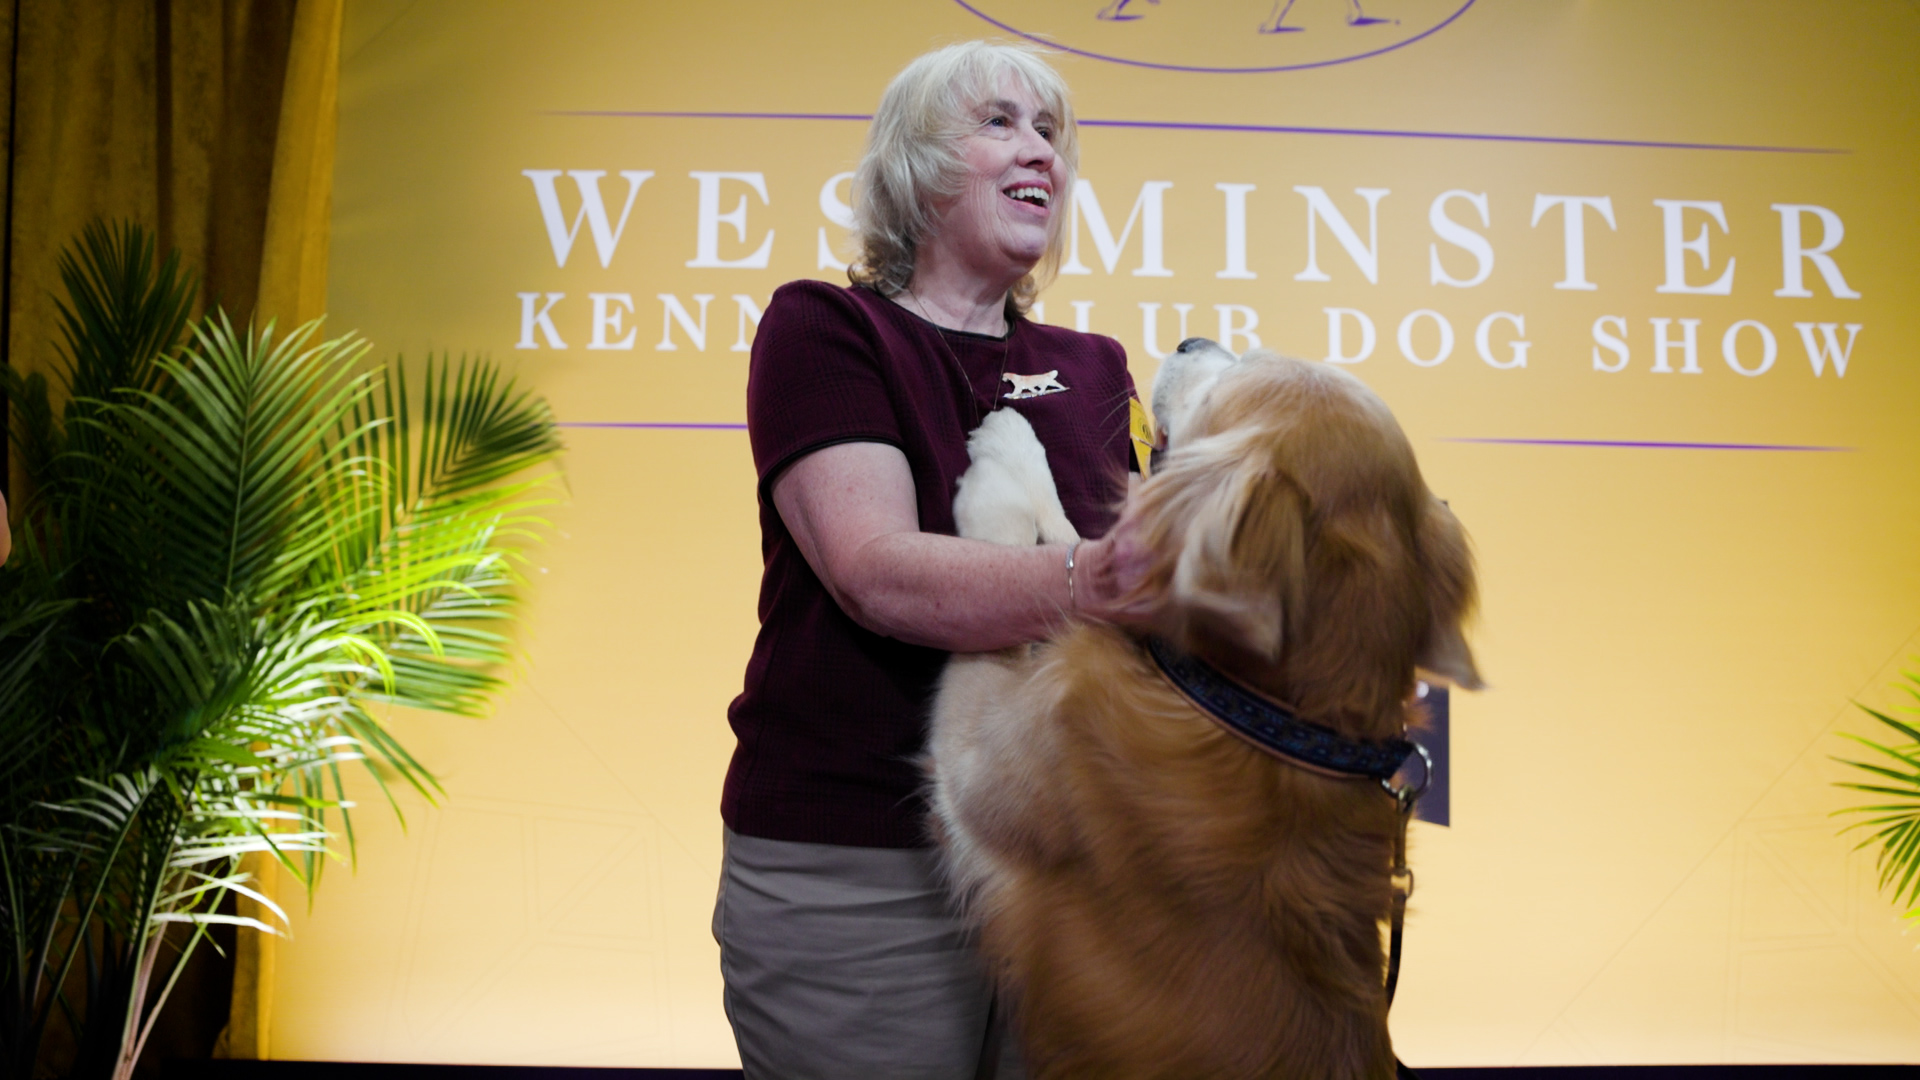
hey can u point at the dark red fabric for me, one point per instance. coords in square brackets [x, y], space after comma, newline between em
[833, 715]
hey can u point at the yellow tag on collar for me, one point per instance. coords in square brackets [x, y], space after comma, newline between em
[1140, 427]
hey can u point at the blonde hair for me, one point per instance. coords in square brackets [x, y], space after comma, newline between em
[913, 157]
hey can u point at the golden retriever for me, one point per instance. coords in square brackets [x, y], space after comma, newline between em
[1158, 897]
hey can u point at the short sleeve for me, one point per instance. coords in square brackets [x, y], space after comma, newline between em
[816, 378]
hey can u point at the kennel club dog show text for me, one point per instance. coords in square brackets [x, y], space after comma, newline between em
[1678, 237]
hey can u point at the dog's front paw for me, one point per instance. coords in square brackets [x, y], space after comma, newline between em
[1007, 495]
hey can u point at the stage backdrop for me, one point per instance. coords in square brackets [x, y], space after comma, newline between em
[1638, 279]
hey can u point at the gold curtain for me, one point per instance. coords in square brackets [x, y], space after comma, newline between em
[211, 122]
[293, 289]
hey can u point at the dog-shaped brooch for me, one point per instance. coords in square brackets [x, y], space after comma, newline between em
[1031, 386]
[1159, 894]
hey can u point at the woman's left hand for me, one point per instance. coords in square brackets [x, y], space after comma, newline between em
[1108, 573]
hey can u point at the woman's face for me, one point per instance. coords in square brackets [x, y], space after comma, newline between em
[997, 226]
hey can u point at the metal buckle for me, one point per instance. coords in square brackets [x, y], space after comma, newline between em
[1406, 794]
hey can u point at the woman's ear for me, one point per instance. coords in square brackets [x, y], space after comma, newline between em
[1446, 563]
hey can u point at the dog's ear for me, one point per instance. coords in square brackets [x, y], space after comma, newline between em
[1228, 533]
[1446, 562]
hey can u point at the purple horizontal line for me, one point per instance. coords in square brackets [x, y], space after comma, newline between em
[661, 425]
[1637, 445]
[1562, 140]
[1274, 129]
[862, 117]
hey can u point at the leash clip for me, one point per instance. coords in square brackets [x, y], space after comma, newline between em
[1406, 794]
[1403, 886]
[1404, 797]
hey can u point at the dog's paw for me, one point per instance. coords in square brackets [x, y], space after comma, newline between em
[1007, 495]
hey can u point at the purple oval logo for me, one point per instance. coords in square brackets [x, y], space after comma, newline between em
[1226, 36]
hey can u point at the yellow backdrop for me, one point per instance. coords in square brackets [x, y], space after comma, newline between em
[1693, 554]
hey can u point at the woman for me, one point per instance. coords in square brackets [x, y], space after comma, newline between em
[841, 954]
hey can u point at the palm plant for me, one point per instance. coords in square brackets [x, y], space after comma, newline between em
[235, 543]
[1895, 818]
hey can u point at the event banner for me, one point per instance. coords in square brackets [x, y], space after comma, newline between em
[1637, 278]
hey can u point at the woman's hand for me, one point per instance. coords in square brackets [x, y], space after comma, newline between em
[1107, 574]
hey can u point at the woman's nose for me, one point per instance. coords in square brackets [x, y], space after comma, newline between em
[1038, 152]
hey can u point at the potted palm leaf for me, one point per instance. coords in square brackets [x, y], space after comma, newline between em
[1894, 817]
[233, 546]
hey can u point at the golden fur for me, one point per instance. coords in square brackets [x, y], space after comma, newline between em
[1159, 898]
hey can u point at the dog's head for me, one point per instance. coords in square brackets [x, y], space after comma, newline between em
[1290, 529]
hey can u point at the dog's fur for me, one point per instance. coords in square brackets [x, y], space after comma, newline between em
[1159, 898]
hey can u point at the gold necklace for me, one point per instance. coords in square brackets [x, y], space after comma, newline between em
[940, 334]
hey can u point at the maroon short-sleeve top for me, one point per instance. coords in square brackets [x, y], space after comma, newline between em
[833, 715]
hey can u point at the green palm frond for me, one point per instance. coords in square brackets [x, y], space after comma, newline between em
[478, 431]
[24, 635]
[34, 434]
[233, 444]
[436, 546]
[122, 312]
[1893, 820]
[241, 543]
[265, 711]
[231, 679]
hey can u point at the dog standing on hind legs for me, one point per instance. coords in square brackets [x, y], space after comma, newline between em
[1159, 897]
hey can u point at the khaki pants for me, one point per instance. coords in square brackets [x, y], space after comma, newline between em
[847, 963]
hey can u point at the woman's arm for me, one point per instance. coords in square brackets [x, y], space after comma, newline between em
[6, 536]
[851, 510]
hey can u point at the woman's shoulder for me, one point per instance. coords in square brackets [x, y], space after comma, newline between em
[809, 311]
[812, 326]
[812, 294]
